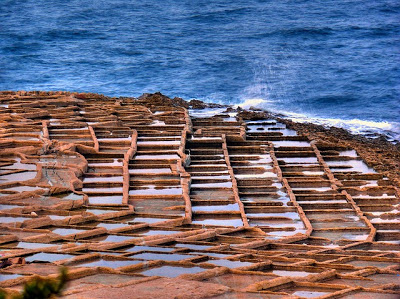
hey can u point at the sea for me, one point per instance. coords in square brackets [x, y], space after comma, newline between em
[327, 62]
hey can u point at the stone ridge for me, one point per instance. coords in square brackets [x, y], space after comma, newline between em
[160, 197]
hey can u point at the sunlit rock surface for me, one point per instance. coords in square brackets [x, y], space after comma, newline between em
[158, 197]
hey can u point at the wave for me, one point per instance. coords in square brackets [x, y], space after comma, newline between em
[356, 126]
[211, 14]
[296, 32]
[333, 100]
[255, 102]
[306, 31]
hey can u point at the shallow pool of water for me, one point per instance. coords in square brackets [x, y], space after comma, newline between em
[8, 207]
[69, 196]
[6, 276]
[212, 185]
[299, 160]
[24, 189]
[13, 219]
[111, 238]
[193, 246]
[111, 199]
[309, 294]
[48, 257]
[156, 157]
[149, 248]
[103, 179]
[110, 263]
[18, 165]
[228, 207]
[112, 162]
[219, 222]
[103, 190]
[150, 170]
[291, 273]
[171, 271]
[18, 177]
[287, 143]
[348, 153]
[206, 112]
[159, 142]
[356, 165]
[161, 256]
[27, 245]
[229, 264]
[100, 211]
[147, 220]
[111, 225]
[156, 191]
[154, 232]
[67, 231]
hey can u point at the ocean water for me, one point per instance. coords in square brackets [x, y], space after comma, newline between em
[331, 62]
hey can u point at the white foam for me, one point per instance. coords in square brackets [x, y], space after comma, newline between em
[355, 126]
[356, 123]
[254, 102]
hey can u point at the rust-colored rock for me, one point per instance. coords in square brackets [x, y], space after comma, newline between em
[143, 198]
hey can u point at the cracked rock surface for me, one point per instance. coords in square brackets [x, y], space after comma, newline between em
[159, 197]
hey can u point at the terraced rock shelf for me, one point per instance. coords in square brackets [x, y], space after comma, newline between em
[158, 197]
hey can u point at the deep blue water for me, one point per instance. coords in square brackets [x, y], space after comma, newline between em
[333, 61]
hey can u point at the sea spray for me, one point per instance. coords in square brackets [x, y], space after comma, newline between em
[356, 126]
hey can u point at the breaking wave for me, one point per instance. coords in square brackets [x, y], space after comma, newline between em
[356, 126]
[256, 103]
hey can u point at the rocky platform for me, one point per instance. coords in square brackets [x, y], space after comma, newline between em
[158, 197]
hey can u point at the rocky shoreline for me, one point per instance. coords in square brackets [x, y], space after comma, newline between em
[158, 197]
[378, 153]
